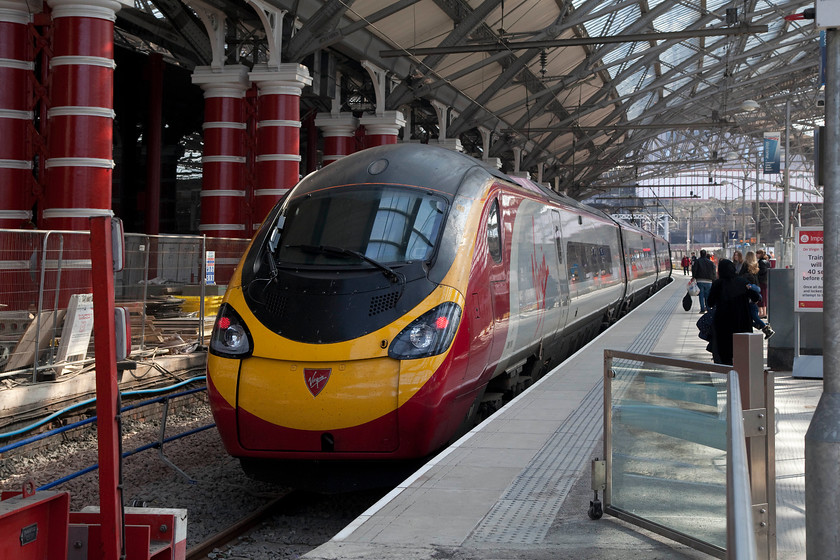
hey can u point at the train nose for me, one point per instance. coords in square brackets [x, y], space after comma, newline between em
[334, 406]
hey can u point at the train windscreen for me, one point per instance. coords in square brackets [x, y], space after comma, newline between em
[382, 223]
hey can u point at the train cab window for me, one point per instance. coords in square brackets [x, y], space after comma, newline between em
[384, 223]
[494, 233]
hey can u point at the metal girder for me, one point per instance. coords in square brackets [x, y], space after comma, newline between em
[157, 31]
[185, 24]
[337, 35]
[467, 22]
[555, 43]
[324, 21]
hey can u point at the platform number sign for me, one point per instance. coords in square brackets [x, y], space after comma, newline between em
[809, 269]
[733, 234]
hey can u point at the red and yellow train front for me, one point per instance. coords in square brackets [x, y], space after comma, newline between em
[345, 400]
[343, 334]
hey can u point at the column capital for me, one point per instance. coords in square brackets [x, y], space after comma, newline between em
[288, 79]
[229, 81]
[453, 144]
[17, 11]
[99, 9]
[390, 122]
[341, 124]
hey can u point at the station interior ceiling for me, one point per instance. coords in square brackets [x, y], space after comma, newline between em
[601, 95]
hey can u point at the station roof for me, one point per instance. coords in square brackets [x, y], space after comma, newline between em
[598, 92]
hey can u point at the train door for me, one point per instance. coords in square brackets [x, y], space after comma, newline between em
[482, 322]
[562, 288]
[499, 282]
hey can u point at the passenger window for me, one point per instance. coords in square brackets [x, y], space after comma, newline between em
[494, 233]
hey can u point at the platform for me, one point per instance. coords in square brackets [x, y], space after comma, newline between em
[517, 487]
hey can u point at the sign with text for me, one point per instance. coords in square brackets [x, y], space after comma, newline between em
[210, 267]
[772, 154]
[808, 294]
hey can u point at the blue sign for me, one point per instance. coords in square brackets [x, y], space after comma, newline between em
[772, 153]
[733, 234]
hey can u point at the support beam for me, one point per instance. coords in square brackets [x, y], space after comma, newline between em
[580, 41]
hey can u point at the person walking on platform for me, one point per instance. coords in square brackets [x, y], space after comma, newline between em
[730, 297]
[686, 264]
[704, 272]
[763, 267]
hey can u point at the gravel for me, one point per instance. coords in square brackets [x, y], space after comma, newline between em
[218, 494]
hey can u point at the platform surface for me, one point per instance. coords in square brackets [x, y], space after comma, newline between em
[518, 486]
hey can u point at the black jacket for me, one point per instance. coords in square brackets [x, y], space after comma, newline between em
[731, 299]
[763, 265]
[703, 269]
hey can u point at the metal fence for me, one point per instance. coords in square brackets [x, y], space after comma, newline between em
[171, 285]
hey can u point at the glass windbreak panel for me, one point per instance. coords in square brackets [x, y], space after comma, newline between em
[668, 429]
[388, 224]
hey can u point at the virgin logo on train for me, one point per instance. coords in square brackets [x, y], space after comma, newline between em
[316, 379]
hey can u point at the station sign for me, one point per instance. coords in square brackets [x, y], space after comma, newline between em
[808, 289]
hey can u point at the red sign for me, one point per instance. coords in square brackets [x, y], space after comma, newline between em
[316, 379]
[814, 237]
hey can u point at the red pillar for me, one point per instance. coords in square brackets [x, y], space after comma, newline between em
[223, 193]
[80, 162]
[339, 130]
[382, 129]
[278, 134]
[15, 68]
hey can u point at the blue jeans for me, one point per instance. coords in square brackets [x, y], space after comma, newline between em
[757, 323]
[704, 294]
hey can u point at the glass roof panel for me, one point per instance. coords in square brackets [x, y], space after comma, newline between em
[638, 107]
[678, 18]
[631, 83]
[677, 54]
[613, 23]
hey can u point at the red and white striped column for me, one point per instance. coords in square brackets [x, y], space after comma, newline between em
[80, 161]
[382, 129]
[278, 134]
[223, 193]
[15, 164]
[339, 131]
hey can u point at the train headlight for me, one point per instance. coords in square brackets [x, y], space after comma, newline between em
[428, 335]
[230, 338]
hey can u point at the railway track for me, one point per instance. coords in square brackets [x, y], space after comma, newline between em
[241, 527]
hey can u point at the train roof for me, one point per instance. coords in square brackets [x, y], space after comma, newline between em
[430, 167]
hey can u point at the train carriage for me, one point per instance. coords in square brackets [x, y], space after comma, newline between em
[389, 299]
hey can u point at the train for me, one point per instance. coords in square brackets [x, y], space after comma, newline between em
[396, 297]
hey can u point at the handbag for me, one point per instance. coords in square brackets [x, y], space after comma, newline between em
[705, 324]
[686, 301]
[693, 288]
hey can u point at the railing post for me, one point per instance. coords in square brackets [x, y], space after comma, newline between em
[759, 427]
[148, 250]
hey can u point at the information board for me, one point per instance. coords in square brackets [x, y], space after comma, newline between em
[808, 294]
